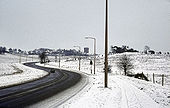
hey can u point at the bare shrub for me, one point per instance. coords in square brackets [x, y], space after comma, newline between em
[125, 63]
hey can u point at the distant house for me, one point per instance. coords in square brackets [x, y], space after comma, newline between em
[86, 50]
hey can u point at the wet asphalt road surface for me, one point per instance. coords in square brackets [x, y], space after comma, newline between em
[20, 96]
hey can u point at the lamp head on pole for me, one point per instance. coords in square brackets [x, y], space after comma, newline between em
[88, 37]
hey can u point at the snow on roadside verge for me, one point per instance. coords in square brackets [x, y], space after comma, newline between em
[7, 69]
[27, 74]
[160, 94]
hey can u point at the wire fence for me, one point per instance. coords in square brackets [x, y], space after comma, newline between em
[162, 79]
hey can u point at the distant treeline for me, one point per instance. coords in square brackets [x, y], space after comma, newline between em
[4, 50]
[54, 52]
[39, 51]
[122, 49]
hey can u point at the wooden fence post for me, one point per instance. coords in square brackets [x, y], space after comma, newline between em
[153, 78]
[20, 58]
[162, 79]
[26, 58]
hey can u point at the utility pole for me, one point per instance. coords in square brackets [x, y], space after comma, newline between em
[106, 47]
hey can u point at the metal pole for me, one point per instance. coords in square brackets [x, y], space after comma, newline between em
[94, 55]
[106, 47]
[26, 58]
[79, 63]
[20, 58]
[94, 51]
[32, 57]
[79, 56]
[55, 58]
[59, 60]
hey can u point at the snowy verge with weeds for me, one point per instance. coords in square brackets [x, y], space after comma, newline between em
[118, 95]
[160, 94]
[8, 69]
[19, 74]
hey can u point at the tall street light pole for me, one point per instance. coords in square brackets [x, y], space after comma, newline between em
[79, 55]
[106, 47]
[94, 51]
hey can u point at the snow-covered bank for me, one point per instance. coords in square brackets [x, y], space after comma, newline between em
[158, 93]
[148, 64]
[11, 58]
[13, 73]
[118, 95]
[123, 92]
[7, 69]
[20, 74]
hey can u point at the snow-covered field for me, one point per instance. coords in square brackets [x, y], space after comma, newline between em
[11, 58]
[148, 64]
[124, 92]
[12, 72]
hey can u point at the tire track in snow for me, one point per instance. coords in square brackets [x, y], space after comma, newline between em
[123, 97]
[133, 97]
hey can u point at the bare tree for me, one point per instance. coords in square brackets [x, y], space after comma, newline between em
[124, 63]
[43, 57]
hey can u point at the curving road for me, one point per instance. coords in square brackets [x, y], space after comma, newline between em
[30, 93]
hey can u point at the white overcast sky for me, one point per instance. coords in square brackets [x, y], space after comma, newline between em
[30, 24]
